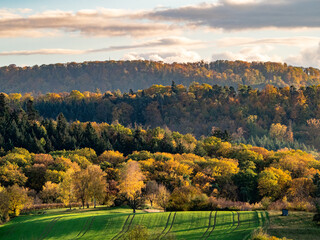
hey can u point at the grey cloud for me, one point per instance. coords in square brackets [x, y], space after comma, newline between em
[230, 16]
[289, 41]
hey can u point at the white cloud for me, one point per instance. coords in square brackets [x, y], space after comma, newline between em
[257, 53]
[179, 55]
[309, 56]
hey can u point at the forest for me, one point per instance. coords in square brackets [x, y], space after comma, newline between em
[61, 163]
[273, 118]
[126, 75]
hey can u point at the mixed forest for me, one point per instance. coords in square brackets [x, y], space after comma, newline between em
[135, 75]
[273, 118]
[54, 162]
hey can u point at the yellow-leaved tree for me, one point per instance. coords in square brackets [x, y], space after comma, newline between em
[274, 183]
[131, 184]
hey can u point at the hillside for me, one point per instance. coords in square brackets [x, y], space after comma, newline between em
[273, 118]
[126, 75]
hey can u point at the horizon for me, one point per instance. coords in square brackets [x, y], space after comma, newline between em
[45, 32]
[119, 60]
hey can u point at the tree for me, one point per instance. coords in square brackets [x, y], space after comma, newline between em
[97, 183]
[18, 198]
[131, 183]
[36, 176]
[89, 184]
[163, 196]
[152, 189]
[274, 183]
[4, 205]
[113, 157]
[188, 198]
[66, 188]
[50, 192]
[81, 186]
[302, 188]
[11, 174]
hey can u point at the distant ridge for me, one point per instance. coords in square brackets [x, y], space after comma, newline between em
[126, 75]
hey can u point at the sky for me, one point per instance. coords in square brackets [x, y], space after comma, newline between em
[37, 32]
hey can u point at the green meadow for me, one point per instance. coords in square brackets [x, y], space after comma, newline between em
[102, 223]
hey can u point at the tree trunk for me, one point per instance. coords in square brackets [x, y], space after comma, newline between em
[134, 206]
[151, 202]
[94, 203]
[82, 203]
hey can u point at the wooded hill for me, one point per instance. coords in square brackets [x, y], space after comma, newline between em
[126, 75]
[42, 160]
[273, 118]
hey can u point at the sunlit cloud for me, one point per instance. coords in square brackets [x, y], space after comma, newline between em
[178, 55]
[257, 53]
[309, 56]
[170, 42]
[101, 22]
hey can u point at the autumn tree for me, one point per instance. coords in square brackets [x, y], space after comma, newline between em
[163, 196]
[131, 184]
[18, 198]
[81, 186]
[274, 182]
[4, 205]
[50, 192]
[188, 198]
[90, 184]
[97, 183]
[67, 188]
[152, 189]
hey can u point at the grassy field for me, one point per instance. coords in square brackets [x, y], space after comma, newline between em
[113, 223]
[298, 225]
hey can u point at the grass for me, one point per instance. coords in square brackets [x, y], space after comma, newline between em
[298, 225]
[112, 223]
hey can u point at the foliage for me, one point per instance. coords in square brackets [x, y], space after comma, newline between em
[131, 183]
[125, 75]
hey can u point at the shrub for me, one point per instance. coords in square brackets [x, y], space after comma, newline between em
[260, 235]
[224, 204]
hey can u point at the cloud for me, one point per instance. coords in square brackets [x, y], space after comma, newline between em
[307, 57]
[230, 15]
[179, 55]
[257, 53]
[292, 41]
[100, 22]
[170, 42]
[55, 51]
[224, 14]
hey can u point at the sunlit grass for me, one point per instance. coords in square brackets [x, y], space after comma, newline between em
[103, 223]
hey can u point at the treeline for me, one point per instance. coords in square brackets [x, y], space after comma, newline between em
[56, 161]
[237, 177]
[19, 128]
[126, 75]
[273, 118]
